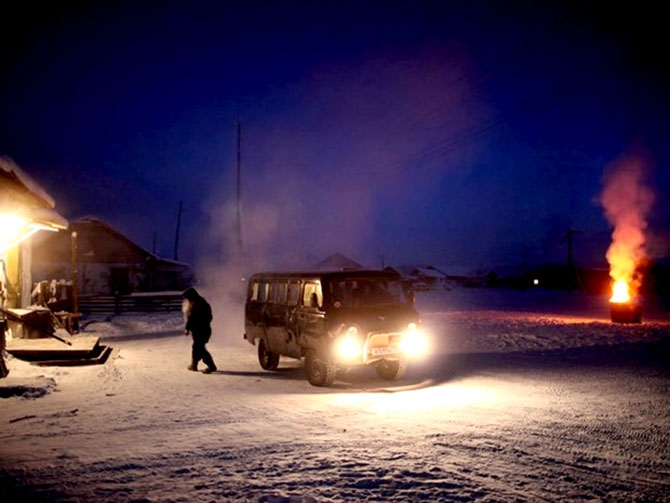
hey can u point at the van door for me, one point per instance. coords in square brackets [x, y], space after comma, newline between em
[254, 322]
[293, 298]
[276, 317]
[311, 317]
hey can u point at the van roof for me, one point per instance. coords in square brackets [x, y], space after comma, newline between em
[334, 274]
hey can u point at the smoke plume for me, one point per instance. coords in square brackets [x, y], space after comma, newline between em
[328, 157]
[627, 200]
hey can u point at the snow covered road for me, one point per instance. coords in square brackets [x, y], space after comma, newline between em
[514, 406]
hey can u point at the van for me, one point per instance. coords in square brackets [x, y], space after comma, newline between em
[334, 320]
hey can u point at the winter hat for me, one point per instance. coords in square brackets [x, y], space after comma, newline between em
[190, 294]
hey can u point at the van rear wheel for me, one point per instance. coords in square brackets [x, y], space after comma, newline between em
[391, 369]
[320, 372]
[268, 359]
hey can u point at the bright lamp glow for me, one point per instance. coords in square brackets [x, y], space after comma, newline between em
[349, 347]
[414, 342]
[10, 227]
[14, 229]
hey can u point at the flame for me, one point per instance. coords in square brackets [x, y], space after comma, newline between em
[620, 293]
[627, 201]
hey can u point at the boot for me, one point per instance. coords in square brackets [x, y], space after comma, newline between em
[193, 366]
[209, 361]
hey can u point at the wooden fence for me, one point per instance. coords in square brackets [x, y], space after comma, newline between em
[155, 303]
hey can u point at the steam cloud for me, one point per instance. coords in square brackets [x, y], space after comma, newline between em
[324, 157]
[627, 201]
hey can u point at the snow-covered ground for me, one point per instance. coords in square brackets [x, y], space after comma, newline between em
[529, 396]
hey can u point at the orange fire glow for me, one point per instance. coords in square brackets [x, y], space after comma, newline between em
[627, 201]
[623, 260]
[620, 292]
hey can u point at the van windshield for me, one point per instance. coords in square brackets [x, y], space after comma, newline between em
[361, 292]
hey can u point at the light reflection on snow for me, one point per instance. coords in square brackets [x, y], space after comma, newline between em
[417, 400]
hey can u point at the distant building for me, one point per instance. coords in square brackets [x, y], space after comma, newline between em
[418, 277]
[337, 261]
[107, 262]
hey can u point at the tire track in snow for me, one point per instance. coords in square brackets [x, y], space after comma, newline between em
[487, 467]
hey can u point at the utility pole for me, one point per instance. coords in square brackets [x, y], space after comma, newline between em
[571, 262]
[240, 242]
[176, 237]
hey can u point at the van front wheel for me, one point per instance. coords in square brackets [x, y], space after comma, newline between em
[391, 369]
[320, 372]
[268, 359]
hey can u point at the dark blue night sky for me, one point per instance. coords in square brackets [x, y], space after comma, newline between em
[425, 132]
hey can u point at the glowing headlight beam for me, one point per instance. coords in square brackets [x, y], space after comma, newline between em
[414, 342]
[349, 347]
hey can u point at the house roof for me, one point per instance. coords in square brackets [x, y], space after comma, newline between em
[428, 272]
[337, 261]
[21, 195]
[14, 178]
[93, 221]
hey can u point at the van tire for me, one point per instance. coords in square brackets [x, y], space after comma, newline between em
[268, 359]
[320, 372]
[390, 370]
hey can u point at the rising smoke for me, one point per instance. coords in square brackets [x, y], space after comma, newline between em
[627, 200]
[324, 157]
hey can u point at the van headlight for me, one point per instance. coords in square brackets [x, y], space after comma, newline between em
[414, 341]
[349, 346]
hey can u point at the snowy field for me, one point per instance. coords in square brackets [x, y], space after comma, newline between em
[529, 396]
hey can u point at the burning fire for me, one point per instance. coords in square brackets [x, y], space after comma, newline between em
[620, 292]
[627, 201]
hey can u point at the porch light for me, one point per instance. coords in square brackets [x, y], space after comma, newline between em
[14, 229]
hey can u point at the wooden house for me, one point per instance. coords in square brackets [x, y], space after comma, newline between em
[106, 262]
[25, 209]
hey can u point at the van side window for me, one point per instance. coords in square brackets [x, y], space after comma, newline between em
[277, 293]
[263, 292]
[253, 291]
[293, 293]
[311, 294]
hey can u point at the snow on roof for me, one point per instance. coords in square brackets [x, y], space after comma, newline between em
[48, 216]
[22, 194]
[338, 261]
[429, 272]
[93, 220]
[13, 171]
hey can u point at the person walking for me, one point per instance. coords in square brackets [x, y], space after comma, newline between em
[198, 324]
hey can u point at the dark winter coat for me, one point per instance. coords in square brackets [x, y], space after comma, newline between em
[199, 316]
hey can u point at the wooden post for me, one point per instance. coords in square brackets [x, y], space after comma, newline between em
[73, 259]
